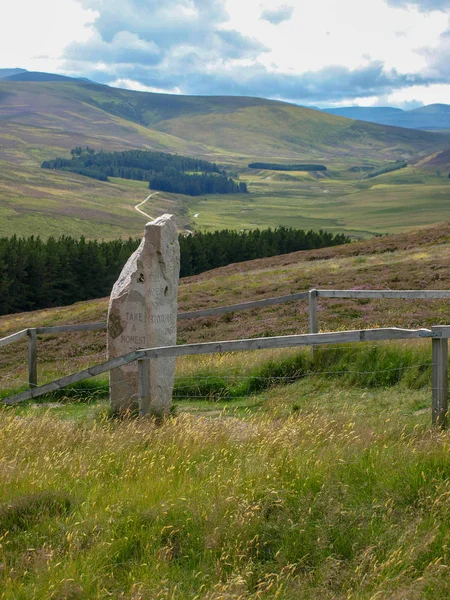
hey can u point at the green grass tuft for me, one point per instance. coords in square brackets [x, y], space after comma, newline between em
[25, 511]
[379, 366]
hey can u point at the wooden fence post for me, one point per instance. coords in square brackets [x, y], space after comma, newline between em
[440, 381]
[313, 323]
[144, 386]
[32, 358]
[312, 305]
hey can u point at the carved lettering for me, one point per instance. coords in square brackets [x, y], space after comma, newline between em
[156, 319]
[135, 317]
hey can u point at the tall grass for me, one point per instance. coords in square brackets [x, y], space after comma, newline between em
[308, 506]
[336, 487]
[374, 366]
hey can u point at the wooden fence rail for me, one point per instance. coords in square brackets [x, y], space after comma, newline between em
[14, 337]
[72, 328]
[221, 310]
[380, 294]
[438, 334]
[312, 296]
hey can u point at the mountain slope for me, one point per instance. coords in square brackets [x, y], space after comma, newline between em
[404, 261]
[201, 125]
[437, 161]
[260, 127]
[41, 120]
[38, 76]
[9, 72]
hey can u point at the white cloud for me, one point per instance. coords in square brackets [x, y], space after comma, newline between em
[129, 84]
[277, 15]
[327, 32]
[33, 35]
[351, 50]
[432, 94]
[125, 47]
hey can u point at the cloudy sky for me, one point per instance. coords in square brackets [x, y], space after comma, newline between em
[319, 52]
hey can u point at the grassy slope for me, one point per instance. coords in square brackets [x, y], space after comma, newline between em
[44, 120]
[437, 161]
[36, 201]
[403, 261]
[329, 487]
[283, 131]
[248, 126]
[317, 489]
[40, 121]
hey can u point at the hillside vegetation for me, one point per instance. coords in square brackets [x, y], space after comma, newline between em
[280, 474]
[403, 261]
[163, 171]
[304, 477]
[59, 271]
[41, 121]
[312, 503]
[195, 124]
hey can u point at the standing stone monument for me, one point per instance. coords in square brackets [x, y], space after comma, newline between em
[143, 314]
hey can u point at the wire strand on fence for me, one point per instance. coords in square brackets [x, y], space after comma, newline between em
[215, 395]
[229, 381]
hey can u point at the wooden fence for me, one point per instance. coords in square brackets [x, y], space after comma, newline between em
[440, 335]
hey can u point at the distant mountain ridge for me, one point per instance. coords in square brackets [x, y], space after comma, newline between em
[432, 117]
[38, 106]
[24, 75]
[5, 73]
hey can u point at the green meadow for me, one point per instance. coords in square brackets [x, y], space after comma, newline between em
[41, 202]
[35, 200]
[360, 208]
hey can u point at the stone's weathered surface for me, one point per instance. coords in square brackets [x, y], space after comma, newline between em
[143, 314]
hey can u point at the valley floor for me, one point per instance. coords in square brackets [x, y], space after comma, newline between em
[399, 201]
[40, 201]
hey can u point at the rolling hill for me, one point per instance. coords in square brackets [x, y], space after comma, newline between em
[6, 73]
[438, 161]
[40, 120]
[285, 474]
[228, 126]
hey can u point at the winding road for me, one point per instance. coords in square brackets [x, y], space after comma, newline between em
[143, 202]
[137, 207]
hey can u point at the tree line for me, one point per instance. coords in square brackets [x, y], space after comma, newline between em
[165, 172]
[36, 273]
[287, 167]
[204, 251]
[196, 185]
[41, 274]
[398, 164]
